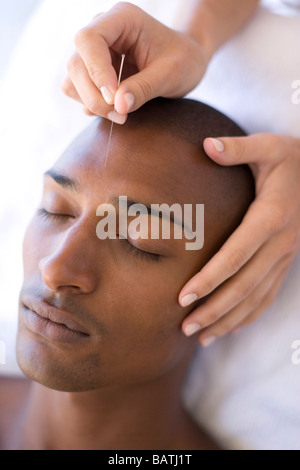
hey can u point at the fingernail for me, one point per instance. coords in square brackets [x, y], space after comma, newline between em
[129, 98]
[116, 117]
[188, 299]
[191, 329]
[208, 341]
[108, 95]
[219, 146]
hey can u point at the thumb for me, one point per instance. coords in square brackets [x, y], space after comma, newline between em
[140, 88]
[229, 151]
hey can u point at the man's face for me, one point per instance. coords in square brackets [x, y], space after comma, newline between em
[118, 298]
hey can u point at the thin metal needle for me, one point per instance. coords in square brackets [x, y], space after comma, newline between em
[112, 123]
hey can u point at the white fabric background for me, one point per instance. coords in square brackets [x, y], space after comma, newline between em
[244, 389]
[283, 7]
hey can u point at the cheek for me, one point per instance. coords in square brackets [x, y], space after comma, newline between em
[146, 339]
[145, 316]
[148, 294]
[145, 306]
[157, 291]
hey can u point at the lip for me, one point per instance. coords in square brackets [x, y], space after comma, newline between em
[52, 323]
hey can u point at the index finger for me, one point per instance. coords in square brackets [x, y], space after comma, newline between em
[97, 59]
[117, 29]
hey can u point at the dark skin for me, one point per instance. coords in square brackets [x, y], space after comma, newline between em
[129, 367]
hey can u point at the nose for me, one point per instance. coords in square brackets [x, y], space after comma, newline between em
[72, 264]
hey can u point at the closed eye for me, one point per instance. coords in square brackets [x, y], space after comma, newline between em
[138, 252]
[44, 214]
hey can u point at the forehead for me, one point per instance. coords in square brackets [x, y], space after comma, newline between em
[143, 162]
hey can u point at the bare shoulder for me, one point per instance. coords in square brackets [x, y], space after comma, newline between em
[13, 394]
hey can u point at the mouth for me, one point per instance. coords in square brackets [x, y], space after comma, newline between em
[52, 323]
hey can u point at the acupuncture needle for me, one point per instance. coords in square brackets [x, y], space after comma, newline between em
[113, 116]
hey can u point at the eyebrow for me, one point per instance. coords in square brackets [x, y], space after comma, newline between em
[70, 184]
[114, 200]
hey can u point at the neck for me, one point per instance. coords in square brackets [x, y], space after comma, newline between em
[143, 416]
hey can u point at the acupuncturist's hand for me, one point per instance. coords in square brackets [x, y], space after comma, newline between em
[159, 61]
[156, 57]
[246, 274]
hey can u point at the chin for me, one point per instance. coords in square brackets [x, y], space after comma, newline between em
[52, 367]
